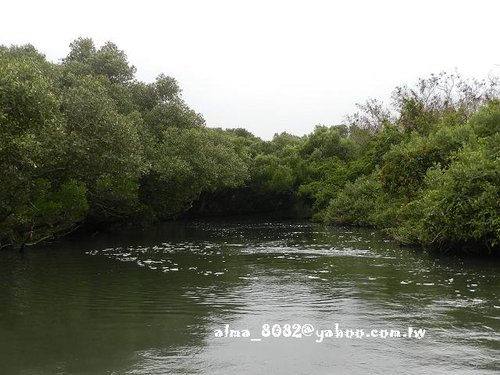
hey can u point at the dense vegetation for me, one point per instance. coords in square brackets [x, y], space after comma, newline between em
[83, 142]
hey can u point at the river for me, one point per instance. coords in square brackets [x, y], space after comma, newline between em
[154, 301]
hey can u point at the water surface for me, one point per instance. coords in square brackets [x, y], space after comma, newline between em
[149, 302]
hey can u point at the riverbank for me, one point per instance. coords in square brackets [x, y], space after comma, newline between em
[85, 143]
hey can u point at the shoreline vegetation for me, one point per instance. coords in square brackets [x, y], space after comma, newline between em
[83, 143]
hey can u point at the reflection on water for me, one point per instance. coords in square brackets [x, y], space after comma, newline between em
[148, 302]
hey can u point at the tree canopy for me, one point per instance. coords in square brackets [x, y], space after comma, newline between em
[83, 142]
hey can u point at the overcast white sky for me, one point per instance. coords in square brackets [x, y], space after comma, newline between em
[273, 66]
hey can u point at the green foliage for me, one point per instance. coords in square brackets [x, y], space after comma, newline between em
[460, 205]
[187, 162]
[440, 190]
[47, 210]
[372, 148]
[323, 168]
[431, 176]
[269, 174]
[108, 61]
[329, 142]
[486, 122]
[356, 203]
[51, 207]
[101, 140]
[29, 121]
[405, 164]
[440, 99]
[114, 199]
[84, 142]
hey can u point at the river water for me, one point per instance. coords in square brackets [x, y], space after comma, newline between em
[153, 302]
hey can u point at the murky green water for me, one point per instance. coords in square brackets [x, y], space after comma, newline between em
[150, 302]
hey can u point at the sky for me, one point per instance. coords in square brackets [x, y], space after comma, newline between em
[273, 66]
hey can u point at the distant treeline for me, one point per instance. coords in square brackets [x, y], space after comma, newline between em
[84, 143]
